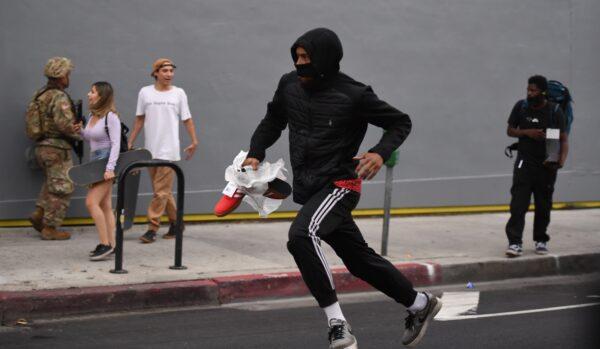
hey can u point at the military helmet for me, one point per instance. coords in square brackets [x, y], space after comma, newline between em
[57, 67]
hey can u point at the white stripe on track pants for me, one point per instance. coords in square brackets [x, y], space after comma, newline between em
[327, 216]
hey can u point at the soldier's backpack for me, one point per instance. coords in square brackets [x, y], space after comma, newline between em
[34, 118]
[124, 132]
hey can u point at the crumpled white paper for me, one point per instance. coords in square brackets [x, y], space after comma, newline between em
[255, 183]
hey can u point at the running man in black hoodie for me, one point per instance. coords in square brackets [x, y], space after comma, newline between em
[327, 113]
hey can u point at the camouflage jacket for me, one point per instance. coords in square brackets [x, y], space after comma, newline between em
[59, 116]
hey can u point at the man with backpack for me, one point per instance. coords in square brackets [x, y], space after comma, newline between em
[532, 121]
[159, 108]
[52, 124]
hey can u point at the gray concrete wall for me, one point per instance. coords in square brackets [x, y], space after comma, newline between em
[456, 67]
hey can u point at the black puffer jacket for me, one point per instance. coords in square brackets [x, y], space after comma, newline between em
[328, 121]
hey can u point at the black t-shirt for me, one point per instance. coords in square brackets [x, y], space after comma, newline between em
[524, 117]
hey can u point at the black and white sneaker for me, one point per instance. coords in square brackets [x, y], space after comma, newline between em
[149, 237]
[416, 323]
[340, 335]
[514, 250]
[92, 252]
[541, 247]
[172, 233]
[103, 252]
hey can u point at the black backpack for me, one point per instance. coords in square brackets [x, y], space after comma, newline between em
[124, 132]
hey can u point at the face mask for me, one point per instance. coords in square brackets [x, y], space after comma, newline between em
[306, 70]
[537, 100]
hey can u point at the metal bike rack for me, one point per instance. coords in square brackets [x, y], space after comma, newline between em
[121, 202]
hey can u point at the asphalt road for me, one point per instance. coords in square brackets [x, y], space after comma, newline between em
[377, 322]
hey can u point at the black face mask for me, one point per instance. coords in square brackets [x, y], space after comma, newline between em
[537, 100]
[306, 70]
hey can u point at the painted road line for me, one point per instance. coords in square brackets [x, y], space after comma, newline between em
[457, 305]
[452, 313]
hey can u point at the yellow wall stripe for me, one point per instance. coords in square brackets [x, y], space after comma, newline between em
[408, 211]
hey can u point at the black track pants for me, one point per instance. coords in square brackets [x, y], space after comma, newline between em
[327, 216]
[530, 179]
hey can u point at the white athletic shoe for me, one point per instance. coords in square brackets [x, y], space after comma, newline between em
[514, 250]
[340, 335]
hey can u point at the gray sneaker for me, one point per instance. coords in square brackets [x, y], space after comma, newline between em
[416, 324]
[514, 250]
[340, 335]
[149, 237]
[541, 247]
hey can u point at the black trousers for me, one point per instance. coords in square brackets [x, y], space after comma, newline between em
[327, 216]
[530, 178]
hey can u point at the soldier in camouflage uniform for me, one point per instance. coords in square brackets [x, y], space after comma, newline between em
[53, 151]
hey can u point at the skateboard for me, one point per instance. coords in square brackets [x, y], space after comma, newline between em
[93, 171]
[132, 185]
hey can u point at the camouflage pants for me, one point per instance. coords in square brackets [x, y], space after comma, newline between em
[57, 188]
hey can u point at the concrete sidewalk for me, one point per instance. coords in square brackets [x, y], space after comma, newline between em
[241, 261]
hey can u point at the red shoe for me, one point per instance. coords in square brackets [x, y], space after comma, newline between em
[278, 189]
[232, 196]
[228, 204]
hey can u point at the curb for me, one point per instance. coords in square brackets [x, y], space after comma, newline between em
[550, 265]
[228, 289]
[71, 301]
[280, 285]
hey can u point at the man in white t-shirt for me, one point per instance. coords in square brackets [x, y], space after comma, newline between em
[159, 108]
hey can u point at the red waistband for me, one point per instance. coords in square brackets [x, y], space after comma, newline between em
[351, 184]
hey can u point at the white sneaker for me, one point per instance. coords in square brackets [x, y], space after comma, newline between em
[514, 250]
[541, 248]
[340, 335]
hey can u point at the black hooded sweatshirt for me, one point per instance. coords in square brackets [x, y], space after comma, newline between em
[327, 120]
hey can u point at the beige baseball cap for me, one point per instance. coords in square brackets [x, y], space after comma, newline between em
[161, 62]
